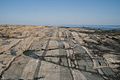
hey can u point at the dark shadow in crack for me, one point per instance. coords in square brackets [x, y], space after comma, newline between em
[31, 53]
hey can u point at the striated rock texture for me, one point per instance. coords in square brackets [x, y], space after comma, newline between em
[51, 53]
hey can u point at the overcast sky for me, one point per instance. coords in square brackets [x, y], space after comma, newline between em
[60, 12]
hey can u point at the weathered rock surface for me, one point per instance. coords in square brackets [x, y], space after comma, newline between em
[44, 53]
